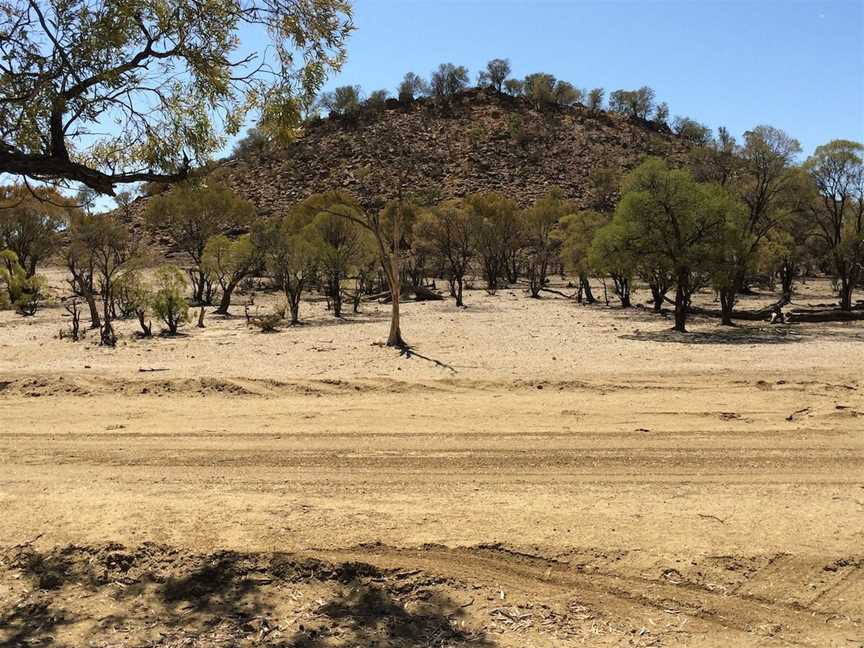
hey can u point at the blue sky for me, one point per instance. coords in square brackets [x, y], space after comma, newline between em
[795, 65]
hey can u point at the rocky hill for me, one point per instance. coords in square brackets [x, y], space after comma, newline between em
[484, 141]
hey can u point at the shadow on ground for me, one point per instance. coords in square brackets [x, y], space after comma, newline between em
[159, 596]
[371, 616]
[723, 336]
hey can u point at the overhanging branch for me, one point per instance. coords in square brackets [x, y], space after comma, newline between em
[45, 167]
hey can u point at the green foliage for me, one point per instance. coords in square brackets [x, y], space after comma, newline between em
[194, 212]
[30, 222]
[579, 229]
[543, 237]
[514, 87]
[837, 170]
[131, 293]
[288, 256]
[691, 130]
[605, 182]
[18, 290]
[168, 302]
[544, 89]
[447, 81]
[171, 74]
[595, 98]
[255, 142]
[612, 255]
[448, 232]
[661, 114]
[638, 104]
[376, 101]
[227, 262]
[499, 234]
[716, 160]
[343, 101]
[341, 246]
[412, 87]
[496, 73]
[666, 215]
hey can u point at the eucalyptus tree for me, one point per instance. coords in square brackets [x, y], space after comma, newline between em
[665, 213]
[764, 177]
[110, 92]
[449, 233]
[595, 98]
[412, 87]
[192, 213]
[579, 230]
[638, 104]
[447, 81]
[542, 237]
[837, 168]
[228, 262]
[499, 235]
[340, 247]
[496, 73]
[287, 255]
[31, 219]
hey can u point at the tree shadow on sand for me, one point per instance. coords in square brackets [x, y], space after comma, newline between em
[157, 595]
[371, 616]
[725, 336]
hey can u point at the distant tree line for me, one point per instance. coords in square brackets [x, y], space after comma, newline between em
[542, 90]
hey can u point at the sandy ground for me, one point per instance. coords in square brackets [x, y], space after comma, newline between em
[562, 475]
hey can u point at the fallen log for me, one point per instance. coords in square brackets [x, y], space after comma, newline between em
[832, 315]
[558, 292]
[425, 294]
[420, 293]
[759, 315]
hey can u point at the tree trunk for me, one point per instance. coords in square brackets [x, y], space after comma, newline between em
[459, 292]
[727, 304]
[586, 287]
[657, 297]
[394, 339]
[197, 280]
[787, 278]
[846, 287]
[225, 301]
[681, 305]
[293, 298]
[146, 329]
[336, 296]
[95, 320]
[622, 289]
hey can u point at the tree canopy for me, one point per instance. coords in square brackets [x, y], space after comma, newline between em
[108, 92]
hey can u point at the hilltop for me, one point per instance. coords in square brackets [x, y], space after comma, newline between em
[484, 141]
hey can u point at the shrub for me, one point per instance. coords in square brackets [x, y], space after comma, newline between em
[168, 302]
[133, 298]
[19, 291]
[268, 323]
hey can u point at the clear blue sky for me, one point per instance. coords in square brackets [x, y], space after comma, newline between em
[795, 65]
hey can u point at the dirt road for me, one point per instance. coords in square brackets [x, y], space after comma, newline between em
[737, 504]
[579, 480]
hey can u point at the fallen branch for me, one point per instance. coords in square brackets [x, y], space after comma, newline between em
[558, 292]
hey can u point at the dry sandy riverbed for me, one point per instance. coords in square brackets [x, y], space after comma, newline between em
[573, 476]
